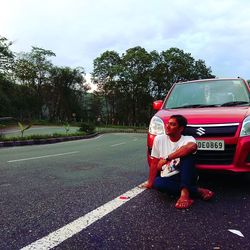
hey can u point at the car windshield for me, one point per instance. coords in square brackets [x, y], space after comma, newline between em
[208, 94]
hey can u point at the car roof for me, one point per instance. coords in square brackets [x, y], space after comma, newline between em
[211, 80]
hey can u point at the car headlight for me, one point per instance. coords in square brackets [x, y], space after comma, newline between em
[156, 126]
[245, 130]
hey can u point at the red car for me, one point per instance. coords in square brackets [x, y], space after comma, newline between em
[218, 114]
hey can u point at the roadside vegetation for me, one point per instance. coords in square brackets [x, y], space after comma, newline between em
[33, 88]
[23, 132]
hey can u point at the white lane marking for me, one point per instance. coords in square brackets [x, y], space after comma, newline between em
[55, 238]
[118, 144]
[44, 156]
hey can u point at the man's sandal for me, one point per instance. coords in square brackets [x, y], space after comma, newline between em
[183, 204]
[206, 194]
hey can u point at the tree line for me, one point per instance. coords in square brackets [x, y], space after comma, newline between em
[32, 88]
[130, 82]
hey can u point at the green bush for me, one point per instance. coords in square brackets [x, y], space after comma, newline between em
[37, 136]
[87, 128]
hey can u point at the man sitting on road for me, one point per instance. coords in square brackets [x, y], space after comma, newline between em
[172, 149]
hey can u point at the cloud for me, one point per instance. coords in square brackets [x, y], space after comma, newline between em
[79, 31]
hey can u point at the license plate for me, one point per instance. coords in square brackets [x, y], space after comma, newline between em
[211, 145]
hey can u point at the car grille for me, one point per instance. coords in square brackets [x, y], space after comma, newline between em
[208, 157]
[215, 130]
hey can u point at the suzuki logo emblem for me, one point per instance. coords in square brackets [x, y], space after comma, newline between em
[200, 131]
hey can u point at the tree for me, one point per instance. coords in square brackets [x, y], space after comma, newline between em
[5, 97]
[33, 70]
[106, 72]
[129, 83]
[64, 93]
[6, 56]
[124, 82]
[158, 76]
[181, 66]
[95, 108]
[25, 71]
[172, 66]
[8, 90]
[25, 103]
[134, 85]
[201, 71]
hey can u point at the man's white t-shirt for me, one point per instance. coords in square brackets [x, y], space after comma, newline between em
[163, 146]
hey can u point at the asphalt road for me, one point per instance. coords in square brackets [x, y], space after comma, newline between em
[45, 187]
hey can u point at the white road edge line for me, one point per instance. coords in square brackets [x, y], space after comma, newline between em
[55, 238]
[118, 144]
[94, 138]
[44, 156]
[86, 139]
[82, 140]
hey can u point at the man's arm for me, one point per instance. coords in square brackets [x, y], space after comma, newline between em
[189, 148]
[152, 172]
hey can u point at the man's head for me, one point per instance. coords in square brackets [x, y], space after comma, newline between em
[176, 125]
[181, 120]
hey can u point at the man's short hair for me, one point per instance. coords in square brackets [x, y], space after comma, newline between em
[181, 120]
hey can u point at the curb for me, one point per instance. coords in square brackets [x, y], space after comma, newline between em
[45, 141]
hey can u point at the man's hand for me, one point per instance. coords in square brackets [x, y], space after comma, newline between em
[160, 164]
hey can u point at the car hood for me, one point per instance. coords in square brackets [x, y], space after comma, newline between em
[215, 115]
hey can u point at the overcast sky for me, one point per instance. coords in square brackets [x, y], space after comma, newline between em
[78, 31]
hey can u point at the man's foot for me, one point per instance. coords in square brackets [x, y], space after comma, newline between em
[205, 194]
[183, 203]
[146, 185]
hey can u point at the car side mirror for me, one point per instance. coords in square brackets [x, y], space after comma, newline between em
[157, 104]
